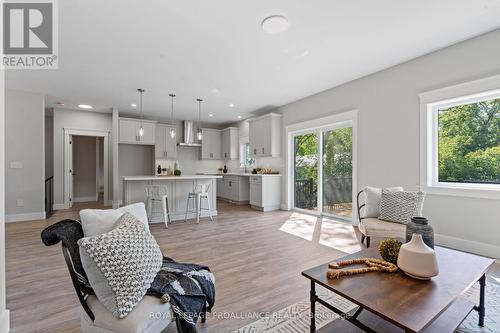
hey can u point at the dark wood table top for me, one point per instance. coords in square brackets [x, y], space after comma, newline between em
[407, 302]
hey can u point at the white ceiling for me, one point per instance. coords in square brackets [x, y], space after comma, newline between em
[216, 50]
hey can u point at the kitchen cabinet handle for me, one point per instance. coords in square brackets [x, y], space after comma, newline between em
[262, 150]
[255, 151]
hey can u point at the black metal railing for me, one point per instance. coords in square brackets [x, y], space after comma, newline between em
[305, 193]
[49, 196]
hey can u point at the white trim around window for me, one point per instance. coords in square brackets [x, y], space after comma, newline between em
[430, 103]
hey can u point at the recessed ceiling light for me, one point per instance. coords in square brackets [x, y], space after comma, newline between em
[239, 117]
[133, 105]
[210, 115]
[85, 106]
[231, 105]
[275, 24]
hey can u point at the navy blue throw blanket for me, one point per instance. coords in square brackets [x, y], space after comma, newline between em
[189, 288]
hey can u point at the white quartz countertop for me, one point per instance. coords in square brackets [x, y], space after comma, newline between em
[159, 177]
[245, 174]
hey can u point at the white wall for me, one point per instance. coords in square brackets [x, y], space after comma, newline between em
[388, 140]
[49, 146]
[84, 166]
[4, 313]
[82, 120]
[24, 144]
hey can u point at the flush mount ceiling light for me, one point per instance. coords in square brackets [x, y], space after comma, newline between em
[85, 106]
[275, 24]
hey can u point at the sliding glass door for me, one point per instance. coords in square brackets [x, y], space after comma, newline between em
[306, 159]
[337, 172]
[323, 171]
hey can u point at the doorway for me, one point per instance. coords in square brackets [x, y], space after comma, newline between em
[322, 170]
[86, 166]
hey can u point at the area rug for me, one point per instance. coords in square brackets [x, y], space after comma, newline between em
[295, 318]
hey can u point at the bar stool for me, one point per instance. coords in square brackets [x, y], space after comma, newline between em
[200, 192]
[157, 194]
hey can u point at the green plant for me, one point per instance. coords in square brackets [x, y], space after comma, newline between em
[177, 172]
[389, 250]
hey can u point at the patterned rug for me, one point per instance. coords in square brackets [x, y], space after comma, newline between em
[295, 318]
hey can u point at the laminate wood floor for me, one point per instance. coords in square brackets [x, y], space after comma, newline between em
[256, 258]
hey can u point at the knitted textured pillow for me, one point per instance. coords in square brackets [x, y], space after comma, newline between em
[400, 206]
[128, 258]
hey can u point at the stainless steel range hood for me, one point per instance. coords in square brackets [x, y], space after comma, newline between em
[189, 138]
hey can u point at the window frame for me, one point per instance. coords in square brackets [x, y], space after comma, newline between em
[430, 104]
[243, 157]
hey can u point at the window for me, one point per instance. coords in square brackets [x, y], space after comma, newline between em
[245, 160]
[462, 149]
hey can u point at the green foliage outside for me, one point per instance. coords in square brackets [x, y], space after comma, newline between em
[469, 143]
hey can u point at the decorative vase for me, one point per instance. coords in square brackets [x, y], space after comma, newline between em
[225, 169]
[420, 225]
[417, 259]
[158, 170]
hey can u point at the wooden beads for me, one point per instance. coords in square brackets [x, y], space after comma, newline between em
[374, 265]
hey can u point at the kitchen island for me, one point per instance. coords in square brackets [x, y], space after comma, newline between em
[178, 188]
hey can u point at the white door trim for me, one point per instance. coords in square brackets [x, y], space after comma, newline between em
[68, 132]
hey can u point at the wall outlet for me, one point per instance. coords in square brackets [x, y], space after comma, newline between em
[16, 165]
[20, 202]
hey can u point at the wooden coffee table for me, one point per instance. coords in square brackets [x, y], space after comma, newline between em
[398, 303]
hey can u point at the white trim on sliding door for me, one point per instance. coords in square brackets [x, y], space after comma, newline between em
[335, 121]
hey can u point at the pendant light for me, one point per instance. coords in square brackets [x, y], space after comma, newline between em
[200, 135]
[172, 130]
[141, 129]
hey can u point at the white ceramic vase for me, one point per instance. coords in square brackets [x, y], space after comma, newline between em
[418, 260]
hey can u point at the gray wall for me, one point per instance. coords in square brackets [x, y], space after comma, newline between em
[135, 160]
[4, 313]
[24, 142]
[388, 140]
[84, 166]
[83, 120]
[49, 146]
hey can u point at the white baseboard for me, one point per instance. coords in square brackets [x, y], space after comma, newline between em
[284, 207]
[84, 199]
[484, 249]
[24, 217]
[59, 206]
[5, 321]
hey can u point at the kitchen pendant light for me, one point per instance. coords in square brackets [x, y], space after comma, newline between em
[199, 132]
[172, 130]
[141, 129]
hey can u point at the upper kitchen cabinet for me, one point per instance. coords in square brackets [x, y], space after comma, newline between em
[129, 131]
[230, 143]
[265, 135]
[165, 145]
[211, 144]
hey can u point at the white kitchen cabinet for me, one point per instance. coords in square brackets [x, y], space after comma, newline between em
[129, 131]
[165, 145]
[265, 135]
[233, 188]
[230, 143]
[211, 144]
[265, 192]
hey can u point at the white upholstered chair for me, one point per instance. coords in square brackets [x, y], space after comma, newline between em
[373, 227]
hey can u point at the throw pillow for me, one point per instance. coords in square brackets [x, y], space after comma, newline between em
[372, 200]
[98, 221]
[401, 206]
[121, 264]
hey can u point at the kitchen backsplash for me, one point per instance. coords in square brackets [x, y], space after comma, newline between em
[188, 158]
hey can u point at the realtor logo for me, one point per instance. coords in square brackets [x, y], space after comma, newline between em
[29, 35]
